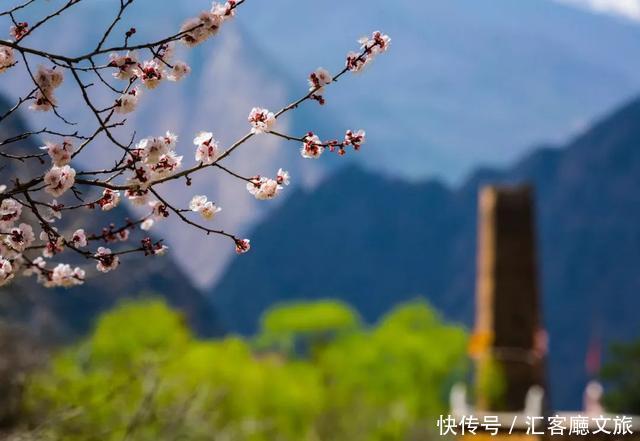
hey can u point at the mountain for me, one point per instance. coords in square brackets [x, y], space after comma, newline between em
[466, 82]
[374, 241]
[60, 314]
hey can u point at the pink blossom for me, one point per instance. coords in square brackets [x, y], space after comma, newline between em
[79, 239]
[312, 147]
[106, 260]
[65, 276]
[205, 208]
[261, 120]
[356, 139]
[150, 73]
[128, 102]
[60, 153]
[10, 211]
[20, 237]
[207, 148]
[126, 65]
[242, 246]
[59, 179]
[179, 71]
[18, 30]
[7, 58]
[264, 188]
[110, 199]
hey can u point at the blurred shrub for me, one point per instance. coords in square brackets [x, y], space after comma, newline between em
[142, 376]
[622, 374]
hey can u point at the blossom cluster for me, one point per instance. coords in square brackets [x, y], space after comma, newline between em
[150, 73]
[313, 147]
[371, 46]
[265, 188]
[198, 29]
[16, 238]
[47, 81]
[30, 241]
[317, 80]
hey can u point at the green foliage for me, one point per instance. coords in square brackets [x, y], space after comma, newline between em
[142, 376]
[304, 327]
[622, 374]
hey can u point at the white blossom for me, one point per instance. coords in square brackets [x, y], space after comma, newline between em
[161, 250]
[47, 80]
[377, 43]
[59, 179]
[261, 120]
[128, 102]
[147, 224]
[53, 212]
[282, 177]
[65, 276]
[166, 165]
[53, 246]
[371, 47]
[312, 147]
[60, 153]
[21, 237]
[123, 235]
[137, 197]
[264, 188]
[225, 11]
[79, 238]
[150, 73]
[355, 139]
[158, 210]
[198, 29]
[110, 199]
[126, 65]
[10, 211]
[7, 58]
[179, 71]
[205, 208]
[106, 260]
[207, 148]
[318, 79]
[154, 148]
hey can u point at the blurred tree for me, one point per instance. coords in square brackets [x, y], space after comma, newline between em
[142, 376]
[622, 374]
[304, 327]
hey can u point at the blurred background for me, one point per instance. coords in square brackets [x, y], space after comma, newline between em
[352, 316]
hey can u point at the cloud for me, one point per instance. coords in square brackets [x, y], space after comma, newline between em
[629, 9]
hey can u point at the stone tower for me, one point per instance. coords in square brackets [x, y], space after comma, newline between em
[509, 339]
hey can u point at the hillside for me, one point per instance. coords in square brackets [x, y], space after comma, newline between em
[375, 241]
[63, 314]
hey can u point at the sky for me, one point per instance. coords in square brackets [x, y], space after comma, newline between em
[629, 9]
